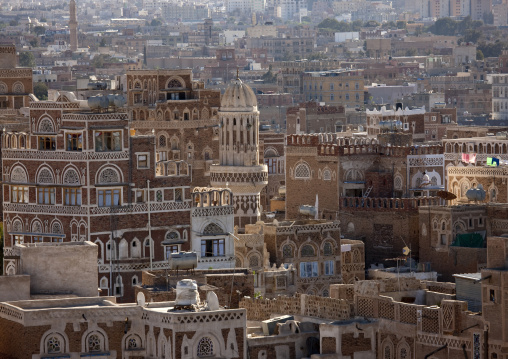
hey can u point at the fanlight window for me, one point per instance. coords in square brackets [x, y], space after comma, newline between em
[287, 251]
[213, 228]
[205, 347]
[254, 261]
[18, 175]
[307, 251]
[71, 177]
[45, 176]
[109, 175]
[46, 126]
[54, 345]
[172, 235]
[94, 343]
[56, 228]
[302, 171]
[174, 83]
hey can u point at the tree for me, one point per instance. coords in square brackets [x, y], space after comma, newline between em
[156, 22]
[41, 91]
[306, 19]
[401, 24]
[472, 35]
[43, 20]
[13, 22]
[269, 76]
[26, 59]
[488, 18]
[34, 42]
[444, 26]
[329, 23]
[479, 55]
[39, 30]
[103, 42]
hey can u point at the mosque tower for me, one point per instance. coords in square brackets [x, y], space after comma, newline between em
[73, 26]
[239, 168]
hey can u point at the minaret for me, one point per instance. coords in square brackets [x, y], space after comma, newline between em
[73, 26]
[239, 168]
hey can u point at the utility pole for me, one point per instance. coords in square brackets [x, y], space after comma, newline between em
[149, 224]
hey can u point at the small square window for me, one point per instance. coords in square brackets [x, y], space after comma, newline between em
[142, 161]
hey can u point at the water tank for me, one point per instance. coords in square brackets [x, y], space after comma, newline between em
[98, 102]
[183, 260]
[306, 210]
[476, 194]
[187, 292]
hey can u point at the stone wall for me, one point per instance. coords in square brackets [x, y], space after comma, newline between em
[300, 304]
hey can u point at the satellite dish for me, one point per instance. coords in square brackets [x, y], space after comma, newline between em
[140, 299]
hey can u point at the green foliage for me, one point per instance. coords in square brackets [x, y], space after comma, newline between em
[479, 55]
[34, 42]
[488, 18]
[39, 30]
[13, 23]
[389, 25]
[26, 59]
[401, 24]
[411, 52]
[449, 27]
[41, 91]
[43, 20]
[472, 35]
[306, 19]
[103, 42]
[156, 22]
[269, 76]
[257, 295]
[317, 56]
[492, 49]
[341, 26]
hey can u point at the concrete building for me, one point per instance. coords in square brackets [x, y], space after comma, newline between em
[499, 101]
[335, 87]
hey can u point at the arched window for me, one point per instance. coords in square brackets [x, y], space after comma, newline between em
[212, 228]
[302, 171]
[54, 345]
[56, 228]
[397, 183]
[46, 126]
[18, 175]
[109, 175]
[71, 177]
[387, 352]
[287, 251]
[162, 141]
[133, 343]
[326, 293]
[307, 251]
[94, 343]
[403, 353]
[327, 249]
[327, 175]
[45, 176]
[205, 347]
[253, 261]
